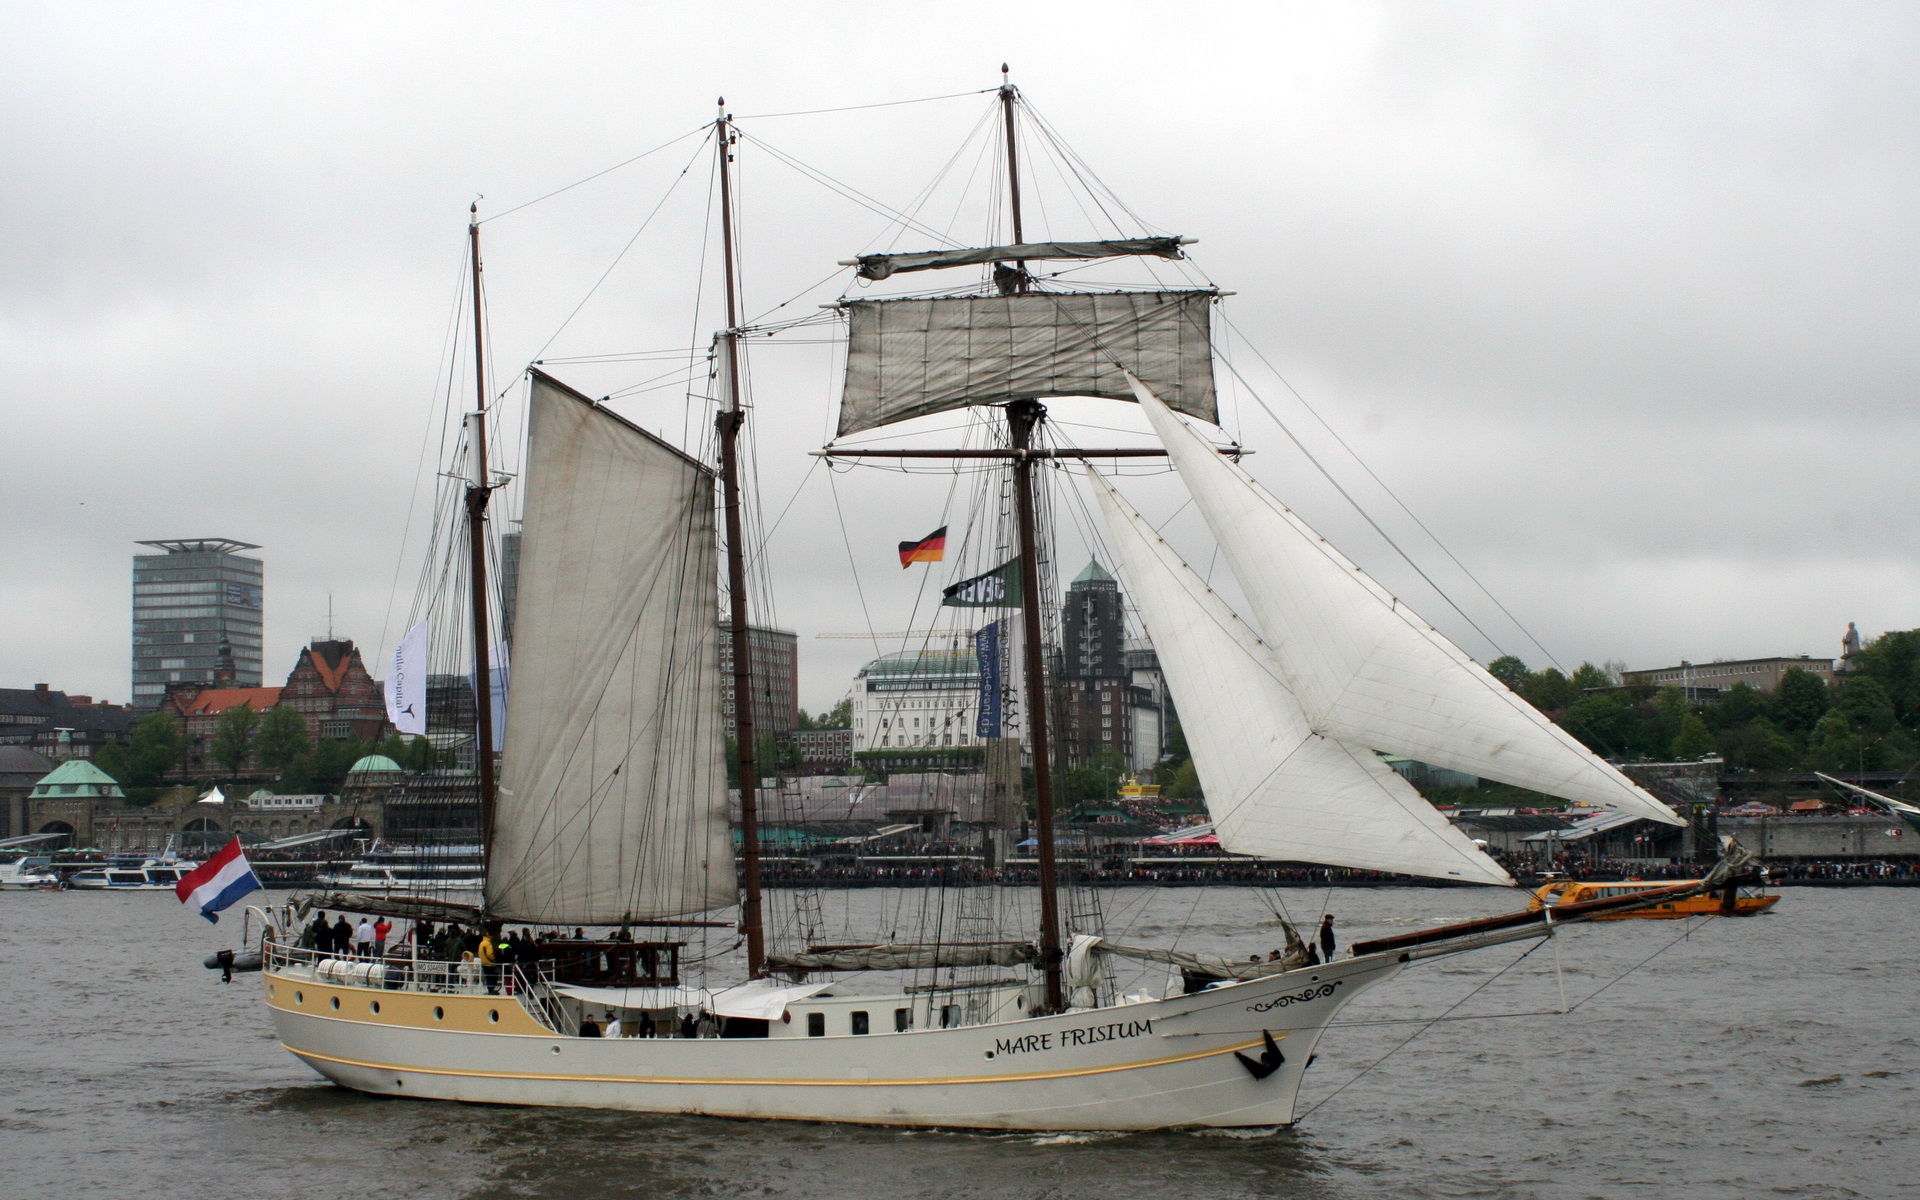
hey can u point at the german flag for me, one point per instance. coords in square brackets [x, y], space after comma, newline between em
[931, 548]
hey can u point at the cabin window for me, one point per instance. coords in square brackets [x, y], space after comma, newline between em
[859, 1022]
[902, 1020]
[816, 1024]
[949, 1015]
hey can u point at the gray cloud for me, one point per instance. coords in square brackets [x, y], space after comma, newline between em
[1617, 297]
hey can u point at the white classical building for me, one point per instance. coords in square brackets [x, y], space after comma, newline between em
[916, 699]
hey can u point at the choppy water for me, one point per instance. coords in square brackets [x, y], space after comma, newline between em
[1775, 1056]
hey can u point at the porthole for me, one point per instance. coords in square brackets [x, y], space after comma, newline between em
[989, 1054]
[299, 997]
[556, 1049]
[375, 1006]
[336, 1003]
[493, 1014]
[439, 1014]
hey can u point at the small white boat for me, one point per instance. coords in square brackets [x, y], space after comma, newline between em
[404, 869]
[153, 875]
[26, 873]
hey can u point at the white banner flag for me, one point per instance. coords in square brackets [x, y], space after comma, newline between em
[407, 682]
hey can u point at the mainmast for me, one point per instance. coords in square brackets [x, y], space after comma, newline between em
[1023, 417]
[727, 423]
[479, 488]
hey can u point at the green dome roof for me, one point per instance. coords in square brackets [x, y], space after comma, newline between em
[373, 762]
[77, 777]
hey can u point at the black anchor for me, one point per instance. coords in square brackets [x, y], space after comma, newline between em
[1269, 1061]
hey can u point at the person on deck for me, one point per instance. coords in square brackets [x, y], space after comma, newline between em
[316, 933]
[342, 937]
[489, 963]
[382, 929]
[589, 1027]
[363, 939]
[1326, 937]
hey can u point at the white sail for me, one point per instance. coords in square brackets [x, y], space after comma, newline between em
[1274, 787]
[1367, 671]
[911, 357]
[612, 803]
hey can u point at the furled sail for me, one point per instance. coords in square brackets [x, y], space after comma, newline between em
[1274, 787]
[914, 357]
[1367, 671]
[908, 957]
[882, 266]
[613, 801]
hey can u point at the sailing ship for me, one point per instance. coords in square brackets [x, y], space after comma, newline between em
[612, 808]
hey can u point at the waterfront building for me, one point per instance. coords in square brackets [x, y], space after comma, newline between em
[1104, 706]
[329, 686]
[197, 611]
[20, 769]
[773, 663]
[916, 700]
[59, 725]
[822, 751]
[1705, 680]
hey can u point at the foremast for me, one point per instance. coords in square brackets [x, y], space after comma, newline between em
[479, 491]
[727, 424]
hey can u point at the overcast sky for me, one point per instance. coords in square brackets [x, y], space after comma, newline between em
[1619, 299]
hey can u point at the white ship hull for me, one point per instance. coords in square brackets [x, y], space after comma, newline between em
[1151, 1065]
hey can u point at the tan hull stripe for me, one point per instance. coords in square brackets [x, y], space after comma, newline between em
[1132, 1066]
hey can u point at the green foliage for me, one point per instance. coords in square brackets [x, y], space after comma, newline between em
[1758, 746]
[1510, 671]
[281, 743]
[154, 749]
[1893, 659]
[840, 716]
[332, 758]
[1098, 780]
[1800, 700]
[1177, 753]
[1550, 691]
[1693, 740]
[1605, 721]
[1590, 678]
[1866, 703]
[233, 737]
[1185, 784]
[419, 755]
[1736, 706]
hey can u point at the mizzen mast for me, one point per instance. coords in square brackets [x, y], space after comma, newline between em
[727, 424]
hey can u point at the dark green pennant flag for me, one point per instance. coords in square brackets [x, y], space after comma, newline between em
[998, 588]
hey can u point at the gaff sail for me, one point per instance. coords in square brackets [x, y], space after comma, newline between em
[1274, 787]
[914, 357]
[1366, 671]
[612, 805]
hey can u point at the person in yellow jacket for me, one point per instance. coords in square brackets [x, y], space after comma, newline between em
[489, 962]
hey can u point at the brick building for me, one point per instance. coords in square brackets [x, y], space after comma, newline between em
[774, 665]
[329, 686]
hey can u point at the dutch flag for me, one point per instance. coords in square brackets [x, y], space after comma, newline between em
[218, 882]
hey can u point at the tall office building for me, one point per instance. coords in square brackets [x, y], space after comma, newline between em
[196, 616]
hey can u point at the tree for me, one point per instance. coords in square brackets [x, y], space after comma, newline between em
[840, 716]
[1694, 739]
[1590, 678]
[1834, 746]
[155, 749]
[332, 759]
[1868, 705]
[1185, 785]
[1605, 721]
[1894, 660]
[419, 755]
[233, 737]
[1758, 746]
[281, 740]
[1550, 691]
[1177, 752]
[1737, 706]
[1800, 700]
[1510, 671]
[1099, 779]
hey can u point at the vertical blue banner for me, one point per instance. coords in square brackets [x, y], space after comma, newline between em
[986, 651]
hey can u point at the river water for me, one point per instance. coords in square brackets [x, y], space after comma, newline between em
[1772, 1056]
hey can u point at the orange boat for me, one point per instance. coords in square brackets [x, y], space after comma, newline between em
[1569, 891]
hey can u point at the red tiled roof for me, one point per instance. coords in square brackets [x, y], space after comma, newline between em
[219, 700]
